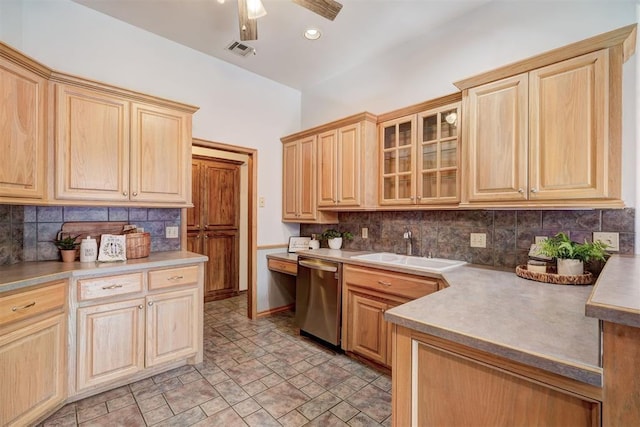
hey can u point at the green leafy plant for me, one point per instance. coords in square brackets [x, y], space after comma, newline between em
[67, 243]
[332, 233]
[561, 246]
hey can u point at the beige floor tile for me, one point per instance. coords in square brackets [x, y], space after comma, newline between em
[190, 395]
[129, 416]
[246, 407]
[214, 405]
[227, 418]
[281, 399]
[261, 418]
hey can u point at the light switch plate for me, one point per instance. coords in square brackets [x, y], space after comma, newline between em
[171, 232]
[365, 233]
[478, 240]
[540, 239]
[611, 239]
[261, 202]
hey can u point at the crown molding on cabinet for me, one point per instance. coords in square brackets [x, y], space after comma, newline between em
[365, 116]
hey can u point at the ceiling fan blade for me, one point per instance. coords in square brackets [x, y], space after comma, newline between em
[248, 27]
[326, 8]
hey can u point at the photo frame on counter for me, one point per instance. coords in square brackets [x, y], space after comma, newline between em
[298, 244]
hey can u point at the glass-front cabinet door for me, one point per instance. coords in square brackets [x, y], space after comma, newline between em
[438, 155]
[397, 161]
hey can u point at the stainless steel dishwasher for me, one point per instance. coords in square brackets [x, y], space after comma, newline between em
[319, 299]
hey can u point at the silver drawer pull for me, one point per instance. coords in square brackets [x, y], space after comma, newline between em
[150, 303]
[141, 306]
[111, 287]
[383, 283]
[24, 306]
[175, 278]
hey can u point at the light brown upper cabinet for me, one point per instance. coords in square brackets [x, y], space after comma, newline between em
[23, 126]
[420, 156]
[549, 135]
[347, 165]
[112, 149]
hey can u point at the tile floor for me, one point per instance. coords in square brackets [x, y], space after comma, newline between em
[255, 373]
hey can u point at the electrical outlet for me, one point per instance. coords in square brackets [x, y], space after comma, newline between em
[478, 240]
[171, 232]
[261, 202]
[540, 239]
[611, 239]
[365, 233]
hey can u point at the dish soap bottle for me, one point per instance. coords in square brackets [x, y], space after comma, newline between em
[88, 250]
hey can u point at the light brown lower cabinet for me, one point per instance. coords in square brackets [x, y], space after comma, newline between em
[439, 383]
[367, 294]
[126, 330]
[33, 353]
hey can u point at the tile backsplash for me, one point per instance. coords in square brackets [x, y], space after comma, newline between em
[509, 233]
[26, 232]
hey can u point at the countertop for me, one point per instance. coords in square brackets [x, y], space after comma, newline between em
[539, 324]
[26, 274]
[616, 296]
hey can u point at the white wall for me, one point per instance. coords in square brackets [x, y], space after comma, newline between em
[236, 107]
[488, 37]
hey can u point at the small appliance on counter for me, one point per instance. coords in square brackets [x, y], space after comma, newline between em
[314, 243]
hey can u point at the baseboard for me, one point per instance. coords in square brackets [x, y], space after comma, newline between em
[276, 310]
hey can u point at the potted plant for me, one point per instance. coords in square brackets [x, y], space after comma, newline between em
[334, 237]
[570, 255]
[67, 246]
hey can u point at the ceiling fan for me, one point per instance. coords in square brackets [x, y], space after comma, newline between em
[250, 10]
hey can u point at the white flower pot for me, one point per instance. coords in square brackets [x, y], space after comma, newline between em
[335, 243]
[570, 267]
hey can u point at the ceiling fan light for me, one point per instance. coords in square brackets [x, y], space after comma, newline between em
[255, 9]
[312, 34]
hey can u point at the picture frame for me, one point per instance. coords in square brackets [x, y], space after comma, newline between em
[298, 244]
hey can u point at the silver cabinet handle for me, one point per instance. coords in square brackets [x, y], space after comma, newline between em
[521, 190]
[534, 190]
[150, 303]
[111, 287]
[31, 304]
[135, 193]
[175, 278]
[141, 306]
[383, 283]
[124, 193]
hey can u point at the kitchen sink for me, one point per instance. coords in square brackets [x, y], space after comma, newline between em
[429, 264]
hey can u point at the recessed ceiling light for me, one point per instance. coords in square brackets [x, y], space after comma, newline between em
[312, 34]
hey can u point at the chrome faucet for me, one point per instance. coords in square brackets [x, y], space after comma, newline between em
[409, 239]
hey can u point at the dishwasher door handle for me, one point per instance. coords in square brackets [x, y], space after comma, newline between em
[318, 266]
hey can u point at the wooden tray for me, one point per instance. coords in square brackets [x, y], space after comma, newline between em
[553, 278]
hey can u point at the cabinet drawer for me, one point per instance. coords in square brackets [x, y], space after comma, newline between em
[108, 286]
[285, 267]
[32, 302]
[159, 279]
[404, 285]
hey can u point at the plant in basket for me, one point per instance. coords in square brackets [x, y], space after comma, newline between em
[571, 255]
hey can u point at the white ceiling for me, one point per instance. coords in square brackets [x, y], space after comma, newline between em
[363, 29]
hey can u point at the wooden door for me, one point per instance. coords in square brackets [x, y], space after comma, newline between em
[497, 117]
[194, 239]
[327, 168]
[32, 368]
[568, 142]
[367, 329]
[397, 146]
[171, 326]
[160, 153]
[110, 342]
[91, 145]
[307, 206]
[194, 214]
[23, 128]
[221, 273]
[290, 168]
[221, 184]
[349, 165]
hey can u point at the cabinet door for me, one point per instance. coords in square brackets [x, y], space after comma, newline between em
[221, 187]
[23, 128]
[438, 154]
[290, 166]
[568, 134]
[397, 140]
[172, 321]
[110, 342]
[367, 329]
[349, 165]
[221, 274]
[327, 168]
[194, 213]
[194, 240]
[497, 117]
[160, 155]
[92, 145]
[307, 180]
[33, 371]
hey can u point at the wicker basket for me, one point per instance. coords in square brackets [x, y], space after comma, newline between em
[553, 278]
[138, 245]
